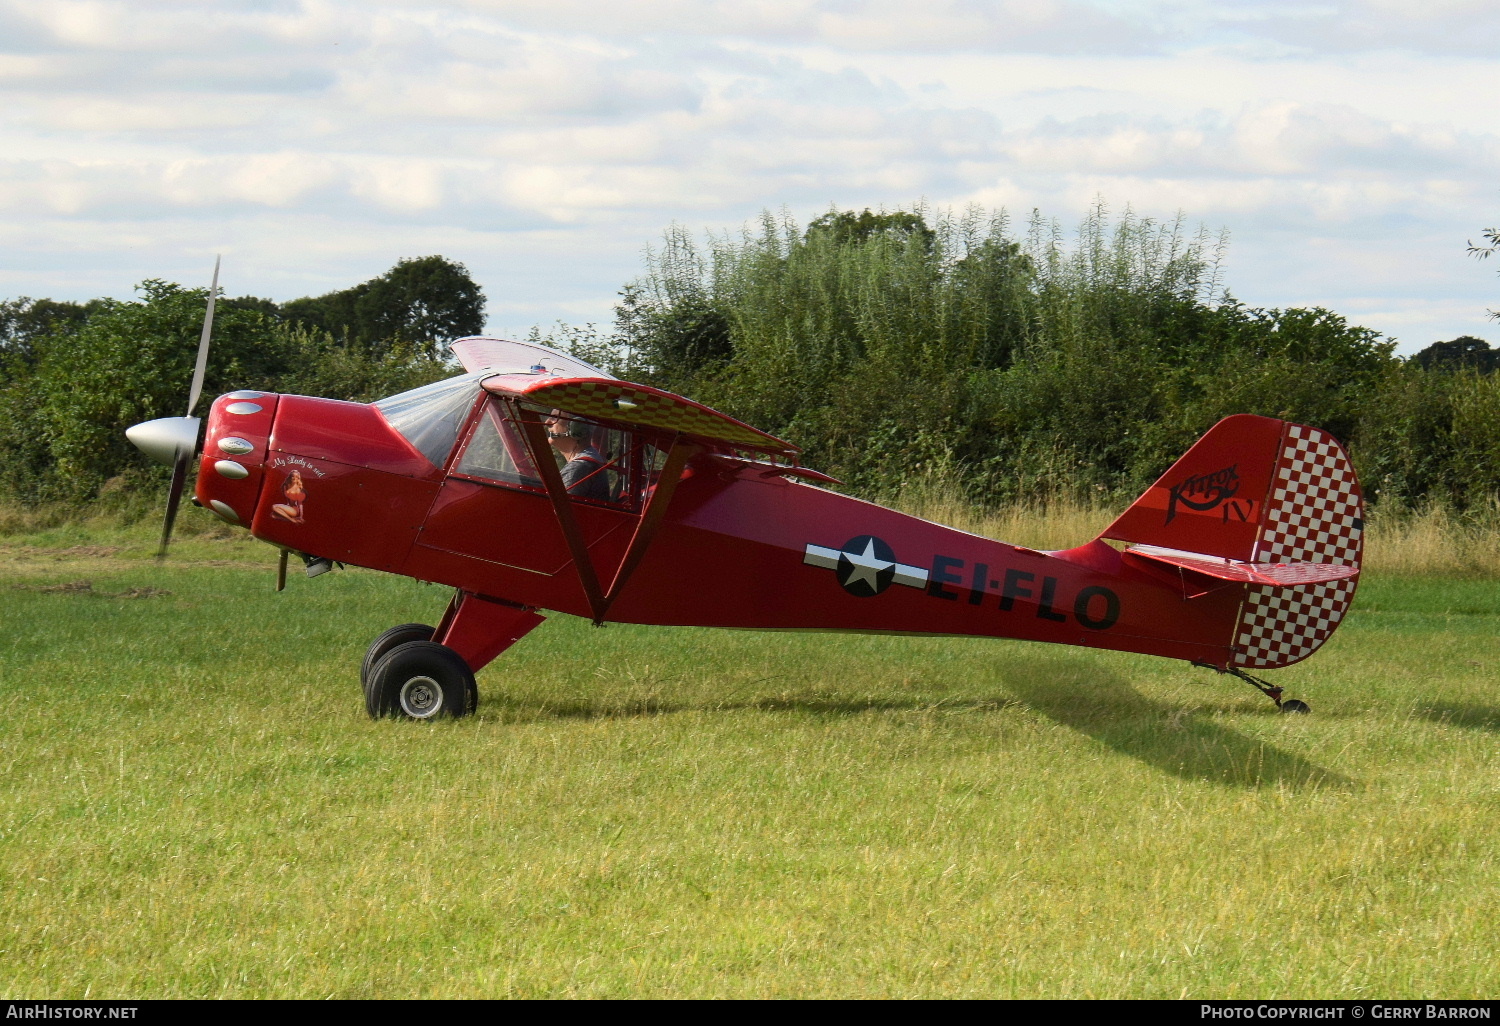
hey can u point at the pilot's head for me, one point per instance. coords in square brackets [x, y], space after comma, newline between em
[567, 434]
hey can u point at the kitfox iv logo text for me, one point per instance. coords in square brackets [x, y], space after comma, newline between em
[866, 566]
[1204, 493]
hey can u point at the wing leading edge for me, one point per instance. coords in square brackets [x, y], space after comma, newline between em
[609, 399]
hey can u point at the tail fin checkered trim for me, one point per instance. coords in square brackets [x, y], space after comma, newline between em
[1315, 513]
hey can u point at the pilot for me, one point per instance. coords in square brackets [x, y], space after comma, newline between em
[582, 474]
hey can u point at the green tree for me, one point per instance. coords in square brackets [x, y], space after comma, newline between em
[62, 422]
[1039, 365]
[678, 340]
[845, 227]
[420, 303]
[24, 322]
[893, 341]
[129, 362]
[1464, 351]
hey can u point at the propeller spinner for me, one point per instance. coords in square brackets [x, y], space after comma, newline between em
[174, 440]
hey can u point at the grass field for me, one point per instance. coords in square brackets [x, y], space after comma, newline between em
[193, 803]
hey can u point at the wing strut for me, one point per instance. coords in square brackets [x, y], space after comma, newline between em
[656, 507]
[678, 453]
[541, 457]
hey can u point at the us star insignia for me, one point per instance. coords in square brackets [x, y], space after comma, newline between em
[865, 566]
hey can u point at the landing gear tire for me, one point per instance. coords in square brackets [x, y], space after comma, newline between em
[389, 640]
[1265, 687]
[420, 680]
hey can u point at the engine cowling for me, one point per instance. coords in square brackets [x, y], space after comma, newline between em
[232, 467]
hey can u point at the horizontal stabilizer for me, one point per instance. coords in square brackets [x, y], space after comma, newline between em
[1270, 575]
[1265, 506]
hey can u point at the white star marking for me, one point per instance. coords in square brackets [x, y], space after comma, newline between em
[866, 566]
[828, 559]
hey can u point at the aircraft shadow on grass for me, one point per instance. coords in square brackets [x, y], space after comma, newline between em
[1080, 695]
[651, 706]
[1177, 740]
[1476, 717]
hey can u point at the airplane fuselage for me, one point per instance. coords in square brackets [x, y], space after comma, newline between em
[740, 545]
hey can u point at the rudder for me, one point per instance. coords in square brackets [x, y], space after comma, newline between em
[1314, 514]
[1258, 492]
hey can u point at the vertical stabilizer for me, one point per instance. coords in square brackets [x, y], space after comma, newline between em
[1264, 492]
[1213, 499]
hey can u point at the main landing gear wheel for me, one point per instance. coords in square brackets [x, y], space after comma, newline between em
[1295, 705]
[420, 680]
[389, 640]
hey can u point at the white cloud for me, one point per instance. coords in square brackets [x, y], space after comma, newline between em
[523, 84]
[1451, 27]
[1065, 26]
[546, 143]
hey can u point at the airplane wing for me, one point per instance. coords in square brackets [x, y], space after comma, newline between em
[505, 357]
[602, 398]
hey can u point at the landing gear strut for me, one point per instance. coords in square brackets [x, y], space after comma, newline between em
[1271, 691]
[419, 672]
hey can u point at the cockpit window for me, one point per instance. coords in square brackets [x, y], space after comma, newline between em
[430, 417]
[597, 464]
[496, 452]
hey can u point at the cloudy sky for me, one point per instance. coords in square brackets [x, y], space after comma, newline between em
[1350, 147]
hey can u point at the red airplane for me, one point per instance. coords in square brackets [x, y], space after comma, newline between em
[534, 481]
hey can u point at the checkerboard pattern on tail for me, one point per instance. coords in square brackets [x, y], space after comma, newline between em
[1315, 513]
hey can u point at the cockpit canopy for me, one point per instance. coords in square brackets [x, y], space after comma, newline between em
[501, 356]
[431, 416]
[620, 464]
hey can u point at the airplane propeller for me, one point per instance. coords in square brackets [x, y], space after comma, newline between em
[174, 440]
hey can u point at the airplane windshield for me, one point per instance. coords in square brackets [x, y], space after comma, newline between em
[429, 417]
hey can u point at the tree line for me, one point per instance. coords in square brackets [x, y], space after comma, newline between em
[1026, 365]
[73, 376]
[1012, 359]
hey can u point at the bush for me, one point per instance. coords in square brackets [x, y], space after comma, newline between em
[1024, 367]
[62, 420]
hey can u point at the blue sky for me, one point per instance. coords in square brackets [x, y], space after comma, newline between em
[1350, 148]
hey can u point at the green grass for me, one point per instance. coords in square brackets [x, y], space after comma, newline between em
[193, 803]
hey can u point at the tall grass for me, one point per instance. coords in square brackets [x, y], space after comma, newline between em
[1429, 541]
[1059, 524]
[122, 508]
[1434, 541]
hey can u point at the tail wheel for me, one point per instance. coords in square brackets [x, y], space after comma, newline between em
[389, 640]
[420, 680]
